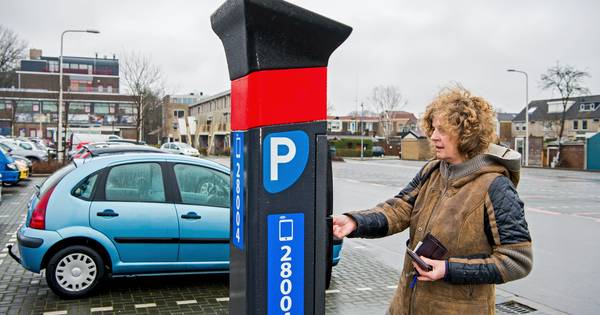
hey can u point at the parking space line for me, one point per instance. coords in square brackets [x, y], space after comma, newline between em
[4, 250]
[2, 255]
[332, 291]
[364, 289]
[392, 287]
[226, 299]
[3, 216]
[1, 261]
[101, 309]
[186, 302]
[147, 305]
[56, 313]
[359, 247]
[12, 240]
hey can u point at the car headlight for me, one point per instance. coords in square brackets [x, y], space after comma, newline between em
[11, 166]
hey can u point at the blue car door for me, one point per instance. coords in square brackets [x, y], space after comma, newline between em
[203, 214]
[131, 209]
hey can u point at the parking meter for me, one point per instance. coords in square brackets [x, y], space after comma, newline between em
[277, 55]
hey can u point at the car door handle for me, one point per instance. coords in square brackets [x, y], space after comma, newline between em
[191, 215]
[107, 213]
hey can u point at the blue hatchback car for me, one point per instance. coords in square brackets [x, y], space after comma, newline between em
[128, 214]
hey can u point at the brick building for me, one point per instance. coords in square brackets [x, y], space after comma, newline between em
[92, 102]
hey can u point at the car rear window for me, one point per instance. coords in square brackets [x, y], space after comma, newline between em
[56, 177]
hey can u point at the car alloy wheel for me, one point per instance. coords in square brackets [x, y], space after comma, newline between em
[74, 271]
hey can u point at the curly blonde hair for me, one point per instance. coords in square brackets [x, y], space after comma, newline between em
[471, 119]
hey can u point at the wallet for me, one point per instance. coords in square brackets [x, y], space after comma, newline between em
[429, 247]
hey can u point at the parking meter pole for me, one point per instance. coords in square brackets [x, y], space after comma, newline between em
[277, 55]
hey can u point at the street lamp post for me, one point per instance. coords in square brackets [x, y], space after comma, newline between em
[362, 130]
[60, 90]
[526, 113]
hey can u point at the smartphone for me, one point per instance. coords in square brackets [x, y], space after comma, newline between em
[423, 265]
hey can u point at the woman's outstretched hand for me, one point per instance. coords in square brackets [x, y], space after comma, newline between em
[343, 225]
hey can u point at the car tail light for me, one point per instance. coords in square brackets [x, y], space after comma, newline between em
[38, 217]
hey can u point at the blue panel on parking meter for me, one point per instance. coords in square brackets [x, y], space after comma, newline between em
[285, 155]
[237, 231]
[285, 263]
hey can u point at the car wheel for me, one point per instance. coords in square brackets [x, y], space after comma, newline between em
[74, 271]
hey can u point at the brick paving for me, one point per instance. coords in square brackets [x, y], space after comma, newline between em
[360, 283]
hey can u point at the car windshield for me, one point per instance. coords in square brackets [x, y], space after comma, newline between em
[184, 146]
[25, 145]
[39, 146]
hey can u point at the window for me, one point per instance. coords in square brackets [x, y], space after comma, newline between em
[202, 186]
[25, 146]
[140, 182]
[85, 188]
[588, 107]
[78, 108]
[25, 106]
[109, 89]
[575, 124]
[178, 113]
[126, 109]
[584, 124]
[336, 126]
[352, 127]
[100, 88]
[49, 107]
[100, 108]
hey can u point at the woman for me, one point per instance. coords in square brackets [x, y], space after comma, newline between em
[466, 198]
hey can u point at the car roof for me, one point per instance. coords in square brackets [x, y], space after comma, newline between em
[112, 159]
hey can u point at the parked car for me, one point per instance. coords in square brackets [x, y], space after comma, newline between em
[179, 148]
[23, 168]
[21, 160]
[8, 169]
[377, 151]
[25, 149]
[128, 214]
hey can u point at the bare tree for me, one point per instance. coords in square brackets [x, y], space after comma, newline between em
[386, 100]
[152, 116]
[11, 50]
[142, 78]
[567, 81]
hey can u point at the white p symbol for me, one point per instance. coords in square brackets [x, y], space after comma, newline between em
[277, 159]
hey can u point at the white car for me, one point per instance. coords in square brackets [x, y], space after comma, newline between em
[24, 148]
[179, 148]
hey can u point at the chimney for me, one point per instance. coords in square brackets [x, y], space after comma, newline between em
[35, 54]
[114, 56]
[96, 55]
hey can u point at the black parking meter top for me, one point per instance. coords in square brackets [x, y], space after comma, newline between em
[274, 34]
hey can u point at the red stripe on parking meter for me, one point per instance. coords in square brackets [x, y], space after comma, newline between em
[273, 97]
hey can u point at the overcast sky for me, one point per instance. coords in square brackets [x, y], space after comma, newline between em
[419, 46]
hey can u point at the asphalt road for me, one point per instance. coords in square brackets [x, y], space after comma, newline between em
[562, 209]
